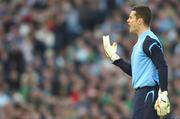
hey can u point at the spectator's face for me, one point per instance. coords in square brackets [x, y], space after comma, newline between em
[133, 22]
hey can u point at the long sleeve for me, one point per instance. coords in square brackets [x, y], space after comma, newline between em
[126, 67]
[153, 50]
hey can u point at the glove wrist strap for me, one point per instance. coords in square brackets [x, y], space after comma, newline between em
[114, 57]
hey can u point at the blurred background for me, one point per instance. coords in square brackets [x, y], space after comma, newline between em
[52, 63]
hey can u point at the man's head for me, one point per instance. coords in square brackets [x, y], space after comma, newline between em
[138, 17]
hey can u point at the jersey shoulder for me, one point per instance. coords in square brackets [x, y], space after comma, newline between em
[149, 43]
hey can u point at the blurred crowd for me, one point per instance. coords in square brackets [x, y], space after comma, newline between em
[52, 63]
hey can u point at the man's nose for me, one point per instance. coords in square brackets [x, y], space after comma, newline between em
[127, 20]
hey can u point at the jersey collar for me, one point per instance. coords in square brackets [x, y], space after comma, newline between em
[144, 34]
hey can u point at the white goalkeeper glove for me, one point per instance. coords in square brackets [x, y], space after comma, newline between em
[110, 50]
[162, 105]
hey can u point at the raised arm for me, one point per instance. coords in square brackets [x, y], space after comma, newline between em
[110, 51]
[126, 67]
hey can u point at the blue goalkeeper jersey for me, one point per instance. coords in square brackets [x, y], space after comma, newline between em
[144, 72]
[148, 66]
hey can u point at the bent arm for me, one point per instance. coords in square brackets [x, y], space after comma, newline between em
[126, 67]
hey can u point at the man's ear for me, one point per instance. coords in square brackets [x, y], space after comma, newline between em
[140, 21]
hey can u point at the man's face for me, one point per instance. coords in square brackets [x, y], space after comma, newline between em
[133, 22]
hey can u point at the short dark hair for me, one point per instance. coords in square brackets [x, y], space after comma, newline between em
[143, 12]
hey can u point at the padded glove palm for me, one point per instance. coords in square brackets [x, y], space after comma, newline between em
[110, 50]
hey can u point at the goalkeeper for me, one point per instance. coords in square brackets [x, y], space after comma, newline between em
[148, 67]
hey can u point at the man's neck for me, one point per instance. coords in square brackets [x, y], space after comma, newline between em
[142, 30]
